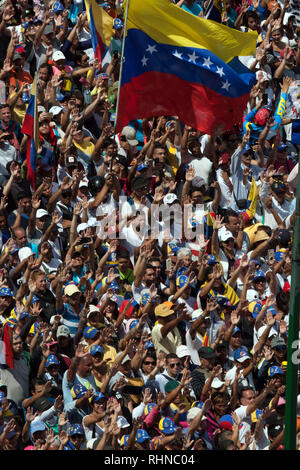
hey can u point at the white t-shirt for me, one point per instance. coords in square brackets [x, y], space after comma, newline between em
[202, 167]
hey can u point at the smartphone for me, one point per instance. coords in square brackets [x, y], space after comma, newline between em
[265, 99]
[84, 240]
[271, 254]
[169, 264]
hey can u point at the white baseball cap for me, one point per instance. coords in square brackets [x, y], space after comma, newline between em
[55, 110]
[182, 351]
[58, 55]
[82, 227]
[41, 213]
[24, 253]
[170, 198]
[251, 295]
[226, 236]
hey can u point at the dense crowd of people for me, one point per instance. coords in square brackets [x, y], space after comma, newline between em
[145, 279]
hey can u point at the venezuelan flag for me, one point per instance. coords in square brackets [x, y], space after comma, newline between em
[30, 127]
[101, 26]
[176, 64]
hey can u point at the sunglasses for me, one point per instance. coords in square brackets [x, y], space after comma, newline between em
[280, 348]
[174, 365]
[147, 363]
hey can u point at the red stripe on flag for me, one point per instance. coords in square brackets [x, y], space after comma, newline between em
[157, 94]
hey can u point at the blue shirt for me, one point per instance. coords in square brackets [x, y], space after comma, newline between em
[195, 9]
[70, 318]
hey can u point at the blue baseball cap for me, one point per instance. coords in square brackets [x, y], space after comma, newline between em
[97, 396]
[76, 429]
[52, 360]
[90, 332]
[96, 349]
[60, 97]
[142, 167]
[258, 275]
[149, 344]
[282, 146]
[254, 308]
[275, 370]
[141, 436]
[124, 440]
[5, 292]
[145, 298]
[236, 330]
[167, 426]
[247, 149]
[272, 310]
[240, 355]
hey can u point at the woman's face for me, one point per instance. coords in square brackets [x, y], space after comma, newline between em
[252, 23]
[276, 35]
[148, 365]
[44, 128]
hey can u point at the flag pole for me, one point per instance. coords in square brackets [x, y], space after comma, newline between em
[290, 429]
[122, 61]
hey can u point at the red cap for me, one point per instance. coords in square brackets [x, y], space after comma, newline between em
[262, 116]
[224, 158]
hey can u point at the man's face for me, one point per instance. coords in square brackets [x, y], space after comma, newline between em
[25, 203]
[236, 340]
[3, 224]
[40, 222]
[44, 74]
[123, 264]
[197, 197]
[233, 225]
[20, 238]
[85, 366]
[5, 115]
[149, 276]
[157, 268]
[77, 262]
[280, 353]
[233, 141]
[247, 398]
[173, 366]
[66, 198]
[17, 346]
[74, 299]
[41, 283]
[159, 155]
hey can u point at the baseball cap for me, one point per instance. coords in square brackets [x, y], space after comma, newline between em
[182, 351]
[52, 360]
[141, 435]
[277, 341]
[170, 198]
[279, 255]
[58, 55]
[217, 383]
[258, 275]
[167, 426]
[121, 160]
[139, 182]
[148, 345]
[97, 396]
[226, 422]
[5, 292]
[171, 385]
[41, 213]
[118, 24]
[130, 134]
[236, 330]
[96, 349]
[62, 330]
[254, 308]
[211, 260]
[37, 425]
[240, 355]
[90, 332]
[284, 236]
[71, 289]
[24, 253]
[76, 429]
[148, 408]
[262, 116]
[275, 370]
[55, 110]
[162, 310]
[226, 235]
[206, 352]
[142, 167]
[224, 158]
[48, 30]
[122, 422]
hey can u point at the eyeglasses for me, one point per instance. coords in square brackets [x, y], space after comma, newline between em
[147, 363]
[174, 365]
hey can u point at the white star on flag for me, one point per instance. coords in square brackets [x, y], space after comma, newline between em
[144, 61]
[226, 85]
[220, 71]
[207, 62]
[151, 49]
[193, 57]
[177, 54]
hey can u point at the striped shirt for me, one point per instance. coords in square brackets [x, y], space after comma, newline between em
[70, 318]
